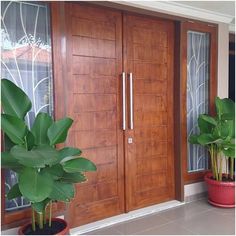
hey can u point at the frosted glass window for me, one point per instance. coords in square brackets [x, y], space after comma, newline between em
[26, 61]
[197, 94]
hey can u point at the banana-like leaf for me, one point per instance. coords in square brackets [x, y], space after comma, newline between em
[229, 152]
[56, 171]
[14, 128]
[73, 177]
[14, 192]
[57, 132]
[8, 144]
[38, 157]
[193, 139]
[14, 101]
[40, 206]
[40, 128]
[209, 119]
[62, 191]
[69, 151]
[30, 140]
[204, 126]
[78, 165]
[228, 116]
[9, 162]
[35, 186]
[205, 139]
[224, 106]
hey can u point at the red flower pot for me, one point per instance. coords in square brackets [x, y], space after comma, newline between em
[221, 194]
[64, 231]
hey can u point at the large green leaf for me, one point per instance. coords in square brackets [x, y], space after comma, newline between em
[30, 140]
[68, 152]
[209, 119]
[73, 177]
[8, 144]
[62, 191]
[40, 128]
[229, 152]
[78, 165]
[35, 186]
[224, 106]
[226, 129]
[9, 162]
[14, 128]
[14, 101]
[193, 139]
[57, 132]
[40, 206]
[205, 139]
[56, 171]
[37, 157]
[204, 126]
[14, 192]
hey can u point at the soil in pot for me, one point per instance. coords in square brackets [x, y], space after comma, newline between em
[57, 227]
[225, 179]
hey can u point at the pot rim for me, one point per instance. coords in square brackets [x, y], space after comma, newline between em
[208, 179]
[23, 227]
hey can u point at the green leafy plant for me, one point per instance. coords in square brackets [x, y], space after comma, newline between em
[217, 134]
[45, 174]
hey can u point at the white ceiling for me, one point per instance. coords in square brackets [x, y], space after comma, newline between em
[222, 7]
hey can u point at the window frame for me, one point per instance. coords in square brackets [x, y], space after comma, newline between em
[22, 216]
[212, 29]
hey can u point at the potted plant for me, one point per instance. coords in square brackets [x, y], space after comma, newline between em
[45, 174]
[217, 134]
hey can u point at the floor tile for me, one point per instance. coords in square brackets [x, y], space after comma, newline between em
[186, 210]
[140, 224]
[209, 222]
[104, 231]
[167, 229]
[224, 211]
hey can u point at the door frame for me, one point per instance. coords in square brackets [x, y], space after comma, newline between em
[59, 66]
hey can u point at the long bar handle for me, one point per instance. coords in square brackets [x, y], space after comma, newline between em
[124, 100]
[131, 101]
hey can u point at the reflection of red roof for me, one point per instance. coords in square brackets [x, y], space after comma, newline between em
[28, 53]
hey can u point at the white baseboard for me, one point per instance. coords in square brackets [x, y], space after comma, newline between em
[124, 217]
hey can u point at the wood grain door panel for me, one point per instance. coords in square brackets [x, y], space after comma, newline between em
[94, 62]
[100, 43]
[149, 158]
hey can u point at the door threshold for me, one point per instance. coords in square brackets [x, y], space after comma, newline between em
[125, 217]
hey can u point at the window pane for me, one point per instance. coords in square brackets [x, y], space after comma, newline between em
[197, 94]
[26, 60]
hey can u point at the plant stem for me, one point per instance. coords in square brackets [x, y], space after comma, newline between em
[41, 220]
[216, 164]
[33, 219]
[212, 161]
[44, 216]
[220, 169]
[231, 168]
[50, 214]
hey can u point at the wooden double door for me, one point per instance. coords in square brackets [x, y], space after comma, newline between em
[104, 49]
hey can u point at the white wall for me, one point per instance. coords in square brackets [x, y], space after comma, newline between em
[223, 59]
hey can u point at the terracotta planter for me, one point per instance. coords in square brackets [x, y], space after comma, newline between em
[65, 231]
[221, 194]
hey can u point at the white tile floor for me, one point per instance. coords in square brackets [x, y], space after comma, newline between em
[195, 218]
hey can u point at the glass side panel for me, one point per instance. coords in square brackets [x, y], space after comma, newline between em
[26, 60]
[197, 94]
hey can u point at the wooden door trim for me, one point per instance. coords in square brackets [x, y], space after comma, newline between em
[212, 30]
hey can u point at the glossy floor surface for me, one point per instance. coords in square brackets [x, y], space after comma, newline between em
[195, 218]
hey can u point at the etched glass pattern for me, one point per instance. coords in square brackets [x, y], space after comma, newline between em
[26, 60]
[197, 94]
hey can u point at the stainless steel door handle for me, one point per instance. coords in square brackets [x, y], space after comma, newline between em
[124, 100]
[131, 101]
